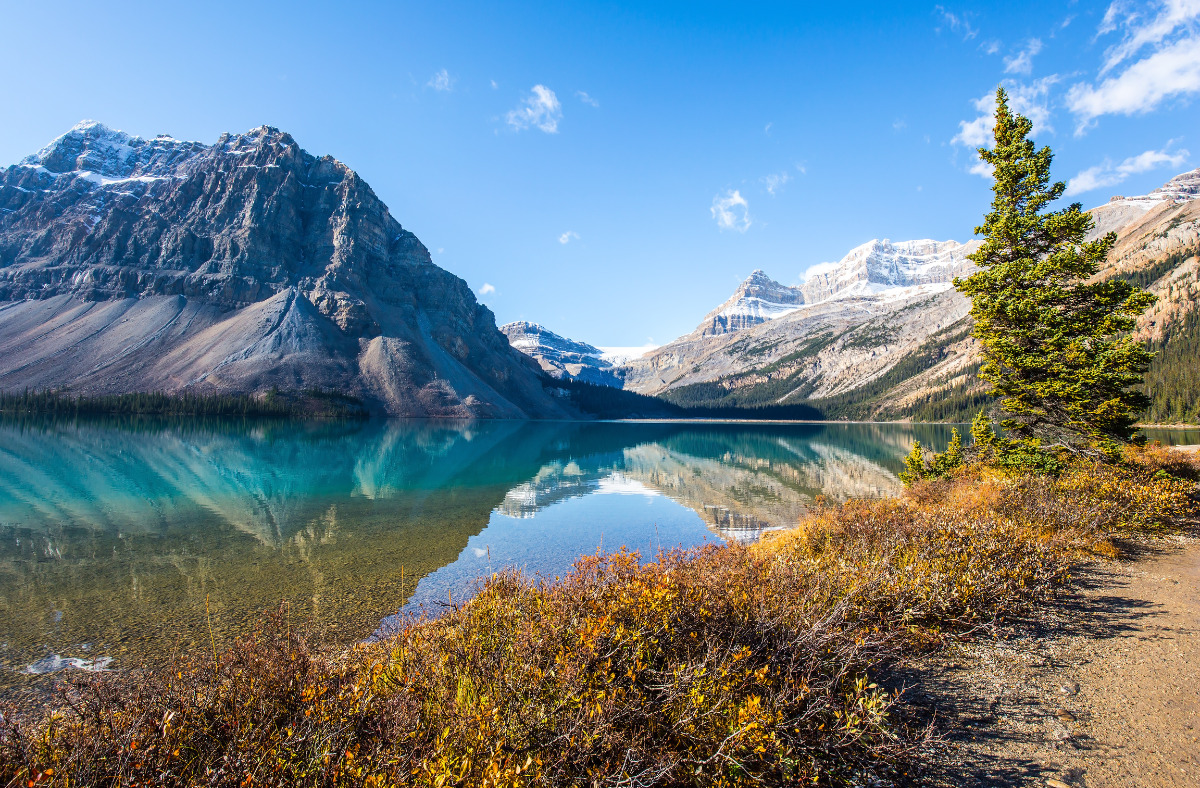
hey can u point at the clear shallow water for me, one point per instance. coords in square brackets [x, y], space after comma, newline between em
[136, 542]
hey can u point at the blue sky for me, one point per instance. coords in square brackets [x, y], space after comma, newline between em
[614, 170]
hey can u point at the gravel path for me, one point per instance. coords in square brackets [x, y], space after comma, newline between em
[1102, 690]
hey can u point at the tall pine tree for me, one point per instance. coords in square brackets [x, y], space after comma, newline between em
[1056, 344]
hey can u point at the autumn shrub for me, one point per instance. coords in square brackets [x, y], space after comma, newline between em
[724, 666]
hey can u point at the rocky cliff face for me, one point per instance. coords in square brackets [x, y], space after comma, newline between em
[142, 265]
[757, 300]
[561, 357]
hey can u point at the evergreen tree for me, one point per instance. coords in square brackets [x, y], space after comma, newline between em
[982, 435]
[1056, 347]
[914, 465]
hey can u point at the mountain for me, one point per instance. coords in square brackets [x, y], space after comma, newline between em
[842, 329]
[129, 265]
[882, 334]
[560, 357]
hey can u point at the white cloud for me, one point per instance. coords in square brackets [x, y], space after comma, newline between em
[899, 124]
[1108, 174]
[767, 128]
[487, 289]
[990, 47]
[1157, 58]
[1142, 29]
[495, 84]
[731, 211]
[567, 237]
[957, 23]
[774, 182]
[977, 132]
[1140, 88]
[586, 99]
[441, 81]
[1022, 62]
[539, 109]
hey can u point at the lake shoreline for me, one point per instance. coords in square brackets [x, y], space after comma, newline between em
[643, 652]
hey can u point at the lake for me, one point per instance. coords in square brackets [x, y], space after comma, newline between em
[128, 543]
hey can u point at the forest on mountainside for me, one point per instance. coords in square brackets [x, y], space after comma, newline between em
[1173, 380]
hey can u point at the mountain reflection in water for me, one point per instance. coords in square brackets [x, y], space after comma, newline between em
[124, 540]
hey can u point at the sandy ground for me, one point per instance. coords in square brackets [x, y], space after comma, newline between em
[1103, 689]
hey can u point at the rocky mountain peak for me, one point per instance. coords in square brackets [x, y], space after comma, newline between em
[1185, 186]
[880, 265]
[252, 234]
[92, 147]
[559, 356]
[758, 298]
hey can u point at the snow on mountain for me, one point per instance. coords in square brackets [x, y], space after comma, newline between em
[756, 300]
[560, 357]
[104, 156]
[1121, 211]
[879, 269]
[879, 266]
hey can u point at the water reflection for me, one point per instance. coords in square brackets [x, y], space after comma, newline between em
[126, 540]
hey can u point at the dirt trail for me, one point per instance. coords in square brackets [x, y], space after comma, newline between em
[1102, 690]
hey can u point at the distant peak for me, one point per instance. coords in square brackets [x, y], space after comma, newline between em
[758, 277]
[90, 125]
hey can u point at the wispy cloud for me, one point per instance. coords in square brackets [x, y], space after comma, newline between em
[899, 124]
[957, 23]
[731, 211]
[568, 236]
[1108, 174]
[990, 47]
[586, 99]
[540, 109]
[1156, 58]
[441, 81]
[775, 182]
[487, 289]
[1022, 62]
[495, 84]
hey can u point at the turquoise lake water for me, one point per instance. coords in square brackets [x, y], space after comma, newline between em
[121, 544]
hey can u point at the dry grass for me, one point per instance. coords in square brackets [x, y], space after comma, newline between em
[725, 666]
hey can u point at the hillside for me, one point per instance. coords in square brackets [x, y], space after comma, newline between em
[247, 265]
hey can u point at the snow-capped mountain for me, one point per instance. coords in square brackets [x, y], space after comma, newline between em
[883, 330]
[1121, 211]
[879, 269]
[561, 357]
[129, 265]
[884, 268]
[756, 300]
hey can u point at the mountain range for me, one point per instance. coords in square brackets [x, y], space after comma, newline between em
[883, 334]
[249, 266]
